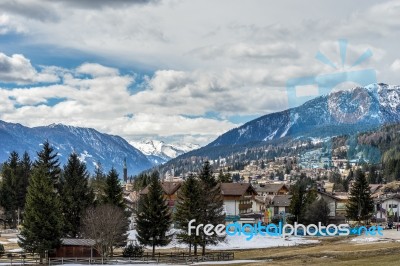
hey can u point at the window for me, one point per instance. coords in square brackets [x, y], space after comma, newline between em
[392, 206]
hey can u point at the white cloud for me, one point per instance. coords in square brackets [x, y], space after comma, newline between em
[104, 102]
[225, 57]
[96, 70]
[18, 69]
[7, 25]
[395, 66]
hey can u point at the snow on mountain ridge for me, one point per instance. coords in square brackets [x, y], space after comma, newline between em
[160, 152]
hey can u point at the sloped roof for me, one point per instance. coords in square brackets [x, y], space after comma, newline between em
[169, 188]
[271, 188]
[336, 195]
[77, 242]
[281, 200]
[236, 189]
[374, 187]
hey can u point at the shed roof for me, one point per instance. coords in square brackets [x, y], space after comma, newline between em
[77, 242]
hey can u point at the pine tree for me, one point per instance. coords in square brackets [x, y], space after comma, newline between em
[42, 225]
[113, 190]
[153, 217]
[187, 208]
[211, 205]
[25, 169]
[318, 211]
[47, 159]
[98, 182]
[224, 178]
[76, 196]
[360, 205]
[302, 197]
[9, 188]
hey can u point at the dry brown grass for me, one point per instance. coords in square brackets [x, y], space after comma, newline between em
[335, 251]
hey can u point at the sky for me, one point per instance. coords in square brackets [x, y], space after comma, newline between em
[174, 70]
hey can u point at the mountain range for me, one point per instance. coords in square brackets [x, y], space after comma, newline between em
[342, 112]
[92, 146]
[159, 152]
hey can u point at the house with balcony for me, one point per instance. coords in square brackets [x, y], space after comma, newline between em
[238, 198]
[387, 208]
[272, 189]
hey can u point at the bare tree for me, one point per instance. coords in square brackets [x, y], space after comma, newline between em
[107, 225]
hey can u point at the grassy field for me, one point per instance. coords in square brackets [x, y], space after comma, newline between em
[334, 251]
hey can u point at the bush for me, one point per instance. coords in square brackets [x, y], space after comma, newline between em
[133, 251]
[1, 250]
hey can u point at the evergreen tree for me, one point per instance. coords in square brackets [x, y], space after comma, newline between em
[153, 216]
[9, 188]
[25, 166]
[98, 182]
[141, 181]
[224, 178]
[47, 159]
[113, 190]
[318, 211]
[302, 196]
[42, 226]
[187, 208]
[211, 205]
[76, 196]
[360, 205]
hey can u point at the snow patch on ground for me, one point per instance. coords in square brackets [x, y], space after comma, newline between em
[13, 240]
[240, 242]
[365, 239]
[16, 250]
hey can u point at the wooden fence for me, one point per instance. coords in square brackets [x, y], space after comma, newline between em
[173, 257]
[19, 258]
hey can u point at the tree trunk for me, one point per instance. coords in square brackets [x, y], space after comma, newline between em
[195, 249]
[154, 249]
[203, 251]
[190, 248]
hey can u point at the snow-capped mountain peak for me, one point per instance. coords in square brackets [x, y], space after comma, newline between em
[159, 152]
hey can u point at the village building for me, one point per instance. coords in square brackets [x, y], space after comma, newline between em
[280, 204]
[170, 192]
[387, 208]
[75, 248]
[272, 189]
[238, 198]
[337, 205]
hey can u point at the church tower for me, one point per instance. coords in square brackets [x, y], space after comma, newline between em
[125, 171]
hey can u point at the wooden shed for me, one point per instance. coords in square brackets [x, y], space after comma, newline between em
[76, 248]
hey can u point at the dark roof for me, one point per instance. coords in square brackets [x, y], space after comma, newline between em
[168, 187]
[281, 200]
[77, 242]
[337, 195]
[271, 188]
[236, 189]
